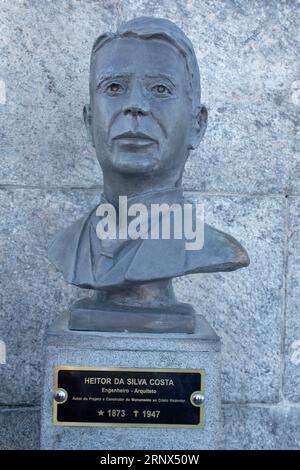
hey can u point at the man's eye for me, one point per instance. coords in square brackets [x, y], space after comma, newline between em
[114, 89]
[161, 90]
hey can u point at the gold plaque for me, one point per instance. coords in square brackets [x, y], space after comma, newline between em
[121, 397]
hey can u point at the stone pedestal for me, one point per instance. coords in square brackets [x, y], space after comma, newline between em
[200, 350]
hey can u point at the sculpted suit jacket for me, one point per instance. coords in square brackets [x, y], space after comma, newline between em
[89, 262]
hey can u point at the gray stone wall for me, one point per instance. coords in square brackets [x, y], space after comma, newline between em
[246, 171]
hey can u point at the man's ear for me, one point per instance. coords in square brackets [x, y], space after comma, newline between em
[87, 116]
[199, 127]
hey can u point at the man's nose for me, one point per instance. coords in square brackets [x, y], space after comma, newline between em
[137, 104]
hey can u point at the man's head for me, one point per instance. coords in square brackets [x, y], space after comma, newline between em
[145, 112]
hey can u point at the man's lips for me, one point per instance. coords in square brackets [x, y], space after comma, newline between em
[132, 140]
[136, 136]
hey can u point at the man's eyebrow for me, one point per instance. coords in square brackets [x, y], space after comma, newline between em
[162, 75]
[100, 78]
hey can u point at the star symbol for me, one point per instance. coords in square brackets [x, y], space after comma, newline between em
[100, 413]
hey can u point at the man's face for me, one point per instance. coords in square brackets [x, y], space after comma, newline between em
[141, 112]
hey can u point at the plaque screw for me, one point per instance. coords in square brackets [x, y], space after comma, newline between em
[197, 399]
[60, 395]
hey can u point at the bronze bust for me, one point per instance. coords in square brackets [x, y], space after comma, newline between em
[144, 117]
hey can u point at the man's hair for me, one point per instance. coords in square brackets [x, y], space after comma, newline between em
[145, 27]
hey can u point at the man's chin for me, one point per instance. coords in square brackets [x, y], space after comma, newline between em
[135, 164]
